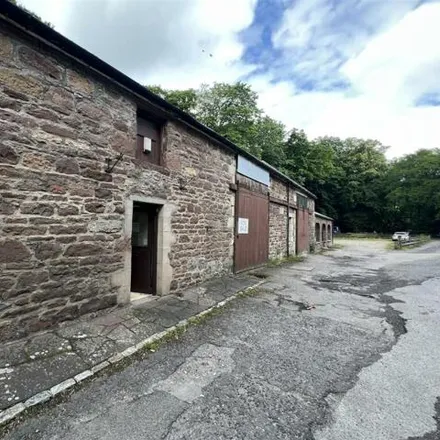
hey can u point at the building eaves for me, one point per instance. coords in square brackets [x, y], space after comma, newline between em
[35, 28]
[326, 217]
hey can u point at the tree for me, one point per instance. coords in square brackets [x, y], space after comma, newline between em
[352, 179]
[413, 191]
[232, 111]
[269, 141]
[229, 109]
[307, 161]
[186, 99]
[354, 187]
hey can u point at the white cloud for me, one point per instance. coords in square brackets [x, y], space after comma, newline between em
[54, 11]
[300, 22]
[316, 36]
[175, 43]
[402, 63]
[386, 72]
[387, 50]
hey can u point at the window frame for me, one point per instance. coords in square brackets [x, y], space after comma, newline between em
[149, 127]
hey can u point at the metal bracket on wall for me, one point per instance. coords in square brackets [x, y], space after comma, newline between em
[108, 160]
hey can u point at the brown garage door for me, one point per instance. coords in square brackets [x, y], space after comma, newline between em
[252, 229]
[302, 230]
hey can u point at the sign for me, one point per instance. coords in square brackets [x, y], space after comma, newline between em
[243, 225]
[249, 169]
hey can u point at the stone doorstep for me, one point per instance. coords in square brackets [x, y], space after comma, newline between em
[10, 413]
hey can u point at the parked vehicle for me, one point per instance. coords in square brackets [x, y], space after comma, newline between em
[402, 236]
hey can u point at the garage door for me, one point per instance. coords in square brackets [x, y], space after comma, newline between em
[252, 229]
[302, 226]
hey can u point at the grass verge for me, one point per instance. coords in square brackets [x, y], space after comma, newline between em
[274, 262]
[362, 236]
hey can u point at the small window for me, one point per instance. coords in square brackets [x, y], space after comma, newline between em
[148, 144]
[302, 201]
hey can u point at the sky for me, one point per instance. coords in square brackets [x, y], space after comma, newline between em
[362, 68]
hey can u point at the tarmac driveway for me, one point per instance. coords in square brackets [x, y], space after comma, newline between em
[342, 346]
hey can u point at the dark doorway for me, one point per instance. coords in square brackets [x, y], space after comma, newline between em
[144, 248]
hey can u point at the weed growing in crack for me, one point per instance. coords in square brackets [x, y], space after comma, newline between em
[275, 262]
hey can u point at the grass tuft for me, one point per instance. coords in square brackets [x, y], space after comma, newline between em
[275, 262]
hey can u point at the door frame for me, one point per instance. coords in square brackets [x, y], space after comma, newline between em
[153, 214]
[297, 232]
[242, 188]
[299, 212]
[165, 239]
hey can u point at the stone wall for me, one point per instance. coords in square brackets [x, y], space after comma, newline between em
[324, 238]
[278, 218]
[62, 243]
[278, 189]
[282, 221]
[292, 231]
[251, 185]
[203, 224]
[292, 196]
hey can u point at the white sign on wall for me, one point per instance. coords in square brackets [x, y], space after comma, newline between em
[243, 225]
[249, 169]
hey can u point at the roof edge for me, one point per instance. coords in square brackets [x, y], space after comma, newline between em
[35, 28]
[317, 214]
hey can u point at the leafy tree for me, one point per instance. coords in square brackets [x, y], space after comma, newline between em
[352, 179]
[232, 111]
[229, 109]
[307, 161]
[413, 185]
[354, 189]
[269, 139]
[186, 99]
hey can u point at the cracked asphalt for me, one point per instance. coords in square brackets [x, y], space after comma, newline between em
[345, 345]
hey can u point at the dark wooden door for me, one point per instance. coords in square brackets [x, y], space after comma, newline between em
[144, 249]
[252, 241]
[302, 230]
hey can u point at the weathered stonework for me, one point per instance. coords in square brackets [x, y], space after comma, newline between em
[281, 220]
[323, 231]
[63, 247]
[66, 223]
[278, 189]
[292, 232]
[278, 218]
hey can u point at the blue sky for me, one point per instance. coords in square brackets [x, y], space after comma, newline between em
[340, 30]
[365, 68]
[257, 38]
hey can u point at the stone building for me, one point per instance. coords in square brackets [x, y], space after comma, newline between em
[323, 231]
[107, 191]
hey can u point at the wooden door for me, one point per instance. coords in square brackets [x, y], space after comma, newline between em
[302, 230]
[144, 249]
[252, 229]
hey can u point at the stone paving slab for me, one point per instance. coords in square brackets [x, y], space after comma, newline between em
[34, 369]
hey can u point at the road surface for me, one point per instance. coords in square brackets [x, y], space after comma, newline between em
[343, 346]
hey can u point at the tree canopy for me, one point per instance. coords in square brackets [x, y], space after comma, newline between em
[354, 182]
